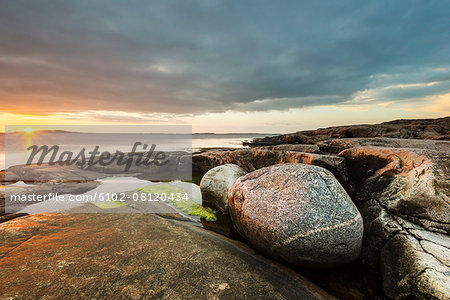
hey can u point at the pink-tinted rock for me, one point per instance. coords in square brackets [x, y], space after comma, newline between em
[297, 213]
[139, 256]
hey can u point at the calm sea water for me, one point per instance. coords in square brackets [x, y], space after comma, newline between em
[13, 151]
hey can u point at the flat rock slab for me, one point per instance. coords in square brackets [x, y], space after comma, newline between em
[135, 256]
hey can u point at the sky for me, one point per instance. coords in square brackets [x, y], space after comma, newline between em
[223, 66]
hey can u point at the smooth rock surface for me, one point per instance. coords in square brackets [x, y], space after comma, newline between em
[140, 256]
[216, 184]
[298, 214]
[410, 270]
[404, 200]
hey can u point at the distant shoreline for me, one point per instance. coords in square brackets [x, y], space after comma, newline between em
[194, 133]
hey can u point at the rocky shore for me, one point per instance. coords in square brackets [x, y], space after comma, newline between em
[396, 173]
[122, 256]
[435, 129]
[362, 199]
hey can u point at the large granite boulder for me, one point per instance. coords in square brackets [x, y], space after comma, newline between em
[216, 184]
[404, 200]
[139, 256]
[298, 214]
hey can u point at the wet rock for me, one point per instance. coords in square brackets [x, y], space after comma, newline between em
[43, 189]
[222, 225]
[135, 256]
[297, 213]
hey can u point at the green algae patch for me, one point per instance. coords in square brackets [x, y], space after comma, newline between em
[187, 206]
[109, 204]
[194, 209]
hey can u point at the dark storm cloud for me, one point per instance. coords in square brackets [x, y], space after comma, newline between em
[198, 56]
